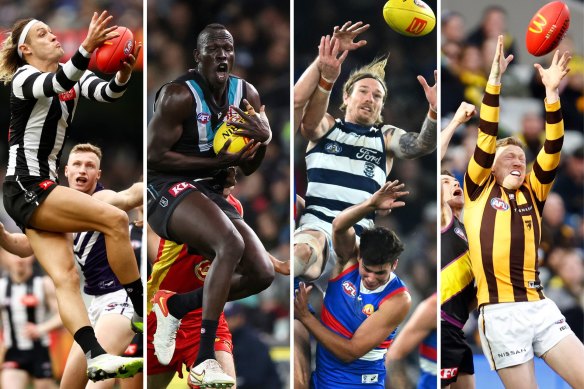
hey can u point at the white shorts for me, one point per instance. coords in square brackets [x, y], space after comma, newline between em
[116, 302]
[511, 333]
[330, 258]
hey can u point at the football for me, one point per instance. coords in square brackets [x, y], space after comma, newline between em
[110, 56]
[547, 28]
[409, 17]
[225, 132]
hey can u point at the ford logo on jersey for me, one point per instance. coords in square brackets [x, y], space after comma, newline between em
[333, 148]
[498, 204]
[203, 118]
[349, 288]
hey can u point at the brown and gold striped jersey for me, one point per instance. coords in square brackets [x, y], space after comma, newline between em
[504, 226]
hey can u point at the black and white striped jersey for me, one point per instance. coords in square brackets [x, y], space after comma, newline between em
[42, 106]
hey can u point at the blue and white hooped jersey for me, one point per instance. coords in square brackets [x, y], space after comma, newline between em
[428, 354]
[90, 253]
[344, 168]
[347, 304]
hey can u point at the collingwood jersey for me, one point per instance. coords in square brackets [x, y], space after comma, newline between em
[22, 303]
[344, 168]
[42, 106]
[206, 117]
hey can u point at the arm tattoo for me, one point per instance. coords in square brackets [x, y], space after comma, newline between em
[414, 145]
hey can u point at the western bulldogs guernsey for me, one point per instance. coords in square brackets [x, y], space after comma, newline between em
[347, 303]
[199, 129]
[22, 303]
[344, 168]
[90, 253]
[42, 106]
[428, 366]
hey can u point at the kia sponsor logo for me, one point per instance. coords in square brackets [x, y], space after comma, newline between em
[178, 188]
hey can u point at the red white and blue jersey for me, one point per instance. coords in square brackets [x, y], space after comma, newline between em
[347, 304]
[428, 366]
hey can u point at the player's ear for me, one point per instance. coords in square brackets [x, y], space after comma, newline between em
[196, 55]
[98, 174]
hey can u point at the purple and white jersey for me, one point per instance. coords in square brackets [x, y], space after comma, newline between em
[90, 253]
[347, 304]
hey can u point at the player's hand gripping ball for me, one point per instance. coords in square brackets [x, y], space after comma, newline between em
[547, 28]
[110, 56]
[224, 133]
[409, 17]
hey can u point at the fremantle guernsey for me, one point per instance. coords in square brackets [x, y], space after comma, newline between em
[344, 168]
[90, 253]
[206, 117]
[347, 304]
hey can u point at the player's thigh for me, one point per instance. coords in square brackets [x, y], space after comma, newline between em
[159, 381]
[519, 376]
[14, 378]
[566, 359]
[68, 210]
[200, 223]
[114, 333]
[54, 250]
[464, 381]
[44, 383]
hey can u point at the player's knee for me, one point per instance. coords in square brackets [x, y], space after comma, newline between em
[66, 278]
[307, 252]
[231, 248]
[117, 223]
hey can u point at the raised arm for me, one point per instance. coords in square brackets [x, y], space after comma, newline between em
[370, 334]
[164, 130]
[15, 243]
[409, 145]
[30, 83]
[316, 121]
[462, 115]
[546, 164]
[344, 237]
[480, 164]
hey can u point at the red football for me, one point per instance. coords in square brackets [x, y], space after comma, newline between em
[547, 28]
[110, 56]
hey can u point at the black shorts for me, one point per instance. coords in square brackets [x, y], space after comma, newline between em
[22, 197]
[136, 348]
[165, 194]
[455, 353]
[35, 362]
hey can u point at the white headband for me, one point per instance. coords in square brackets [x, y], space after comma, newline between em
[23, 35]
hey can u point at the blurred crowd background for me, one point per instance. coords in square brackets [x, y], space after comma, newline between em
[116, 128]
[467, 46]
[406, 107]
[261, 33]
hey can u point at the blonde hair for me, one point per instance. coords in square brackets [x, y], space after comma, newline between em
[509, 141]
[10, 61]
[374, 70]
[86, 148]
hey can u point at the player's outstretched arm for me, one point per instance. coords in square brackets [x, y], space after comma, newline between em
[410, 145]
[344, 237]
[462, 115]
[126, 199]
[315, 120]
[15, 243]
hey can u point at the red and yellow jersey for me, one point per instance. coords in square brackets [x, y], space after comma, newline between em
[178, 269]
[504, 226]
